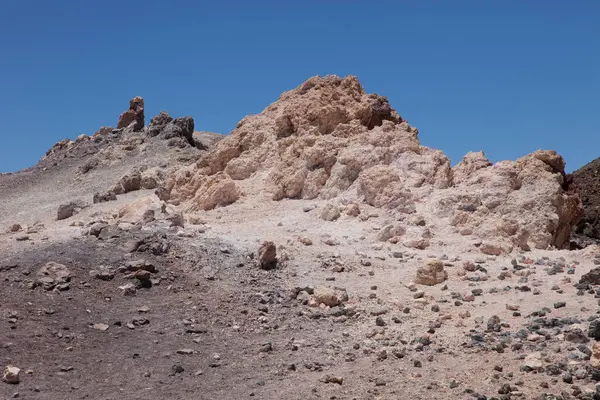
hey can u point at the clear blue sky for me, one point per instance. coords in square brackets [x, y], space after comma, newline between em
[506, 77]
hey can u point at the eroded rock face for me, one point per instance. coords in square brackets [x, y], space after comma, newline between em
[520, 204]
[329, 139]
[316, 141]
[134, 116]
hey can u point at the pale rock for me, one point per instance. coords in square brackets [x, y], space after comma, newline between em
[100, 327]
[330, 212]
[128, 289]
[329, 139]
[305, 241]
[419, 244]
[137, 211]
[533, 360]
[329, 297]
[390, 231]
[11, 375]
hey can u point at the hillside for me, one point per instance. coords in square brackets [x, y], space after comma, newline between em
[318, 251]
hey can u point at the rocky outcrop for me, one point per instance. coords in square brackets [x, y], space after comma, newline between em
[63, 145]
[133, 117]
[329, 139]
[520, 204]
[316, 141]
[166, 127]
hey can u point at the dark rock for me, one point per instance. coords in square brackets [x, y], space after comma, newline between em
[104, 197]
[179, 127]
[158, 123]
[591, 278]
[177, 369]
[594, 329]
[96, 228]
[68, 210]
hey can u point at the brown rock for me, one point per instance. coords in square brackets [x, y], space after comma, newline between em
[329, 297]
[431, 274]
[491, 249]
[353, 210]
[267, 255]
[134, 116]
[419, 244]
[595, 359]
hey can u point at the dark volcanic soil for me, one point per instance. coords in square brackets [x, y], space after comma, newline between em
[587, 181]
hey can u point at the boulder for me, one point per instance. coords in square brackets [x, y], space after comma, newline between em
[390, 231]
[11, 375]
[68, 210]
[533, 361]
[525, 204]
[592, 277]
[129, 182]
[329, 297]
[431, 274]
[267, 255]
[330, 212]
[208, 191]
[136, 211]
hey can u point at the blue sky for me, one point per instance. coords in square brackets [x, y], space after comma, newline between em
[506, 77]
